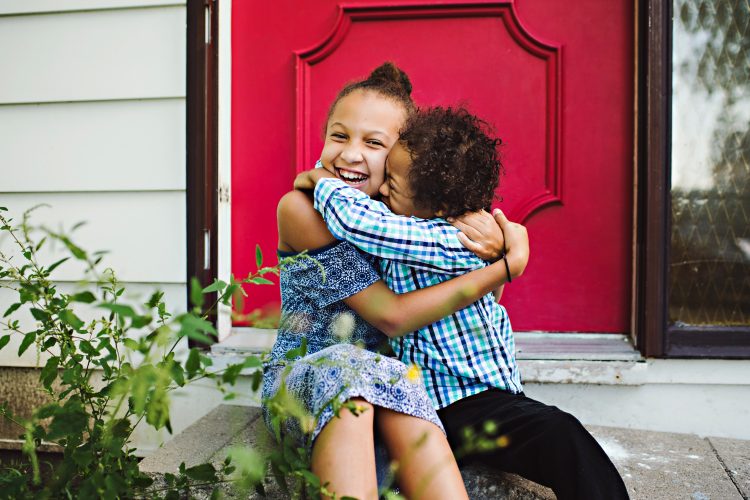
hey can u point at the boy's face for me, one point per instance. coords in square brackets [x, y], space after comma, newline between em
[360, 132]
[396, 191]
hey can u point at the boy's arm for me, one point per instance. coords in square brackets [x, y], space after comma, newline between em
[369, 225]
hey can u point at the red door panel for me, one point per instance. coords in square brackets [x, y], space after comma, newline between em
[554, 80]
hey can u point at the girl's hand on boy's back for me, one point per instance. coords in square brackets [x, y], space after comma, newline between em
[481, 234]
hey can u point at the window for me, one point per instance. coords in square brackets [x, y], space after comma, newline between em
[695, 203]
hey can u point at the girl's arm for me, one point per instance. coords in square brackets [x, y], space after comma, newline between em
[301, 227]
[428, 244]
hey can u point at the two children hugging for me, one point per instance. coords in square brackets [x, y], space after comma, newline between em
[445, 164]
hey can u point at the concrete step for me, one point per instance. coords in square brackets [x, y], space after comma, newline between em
[654, 465]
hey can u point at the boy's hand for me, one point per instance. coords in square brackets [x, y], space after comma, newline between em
[516, 243]
[480, 234]
[308, 178]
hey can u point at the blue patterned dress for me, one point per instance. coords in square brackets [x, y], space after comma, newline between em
[340, 362]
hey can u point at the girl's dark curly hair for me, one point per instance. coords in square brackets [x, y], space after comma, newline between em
[455, 161]
[387, 80]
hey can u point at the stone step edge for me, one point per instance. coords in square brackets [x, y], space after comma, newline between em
[208, 440]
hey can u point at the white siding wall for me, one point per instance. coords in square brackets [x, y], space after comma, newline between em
[92, 122]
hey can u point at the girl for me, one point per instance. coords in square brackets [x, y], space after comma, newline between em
[362, 126]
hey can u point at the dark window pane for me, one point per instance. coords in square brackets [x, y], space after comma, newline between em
[710, 251]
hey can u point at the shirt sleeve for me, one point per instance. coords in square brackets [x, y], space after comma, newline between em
[428, 244]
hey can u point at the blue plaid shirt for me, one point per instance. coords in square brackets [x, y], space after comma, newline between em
[460, 355]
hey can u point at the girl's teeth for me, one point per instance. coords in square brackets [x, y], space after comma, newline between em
[352, 178]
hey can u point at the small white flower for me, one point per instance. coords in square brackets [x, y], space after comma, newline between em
[343, 326]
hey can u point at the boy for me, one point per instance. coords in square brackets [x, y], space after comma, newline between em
[445, 165]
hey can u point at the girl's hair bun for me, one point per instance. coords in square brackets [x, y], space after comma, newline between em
[386, 80]
[389, 73]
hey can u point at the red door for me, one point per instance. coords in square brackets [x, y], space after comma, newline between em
[554, 78]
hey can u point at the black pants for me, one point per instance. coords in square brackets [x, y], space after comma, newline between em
[539, 442]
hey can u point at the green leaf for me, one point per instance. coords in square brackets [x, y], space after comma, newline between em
[310, 478]
[131, 344]
[206, 361]
[12, 309]
[196, 328]
[77, 251]
[231, 373]
[40, 244]
[193, 363]
[258, 256]
[87, 347]
[39, 314]
[215, 286]
[70, 319]
[70, 421]
[28, 339]
[142, 481]
[120, 428]
[252, 362]
[47, 411]
[260, 281]
[202, 472]
[141, 321]
[196, 292]
[155, 298]
[119, 309]
[177, 373]
[49, 372]
[56, 264]
[85, 297]
[4, 341]
[83, 457]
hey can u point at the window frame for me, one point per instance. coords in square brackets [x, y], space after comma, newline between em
[655, 337]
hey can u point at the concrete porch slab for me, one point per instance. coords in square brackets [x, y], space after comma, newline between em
[735, 456]
[661, 465]
[654, 465]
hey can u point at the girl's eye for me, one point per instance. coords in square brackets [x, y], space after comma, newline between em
[338, 135]
[375, 142]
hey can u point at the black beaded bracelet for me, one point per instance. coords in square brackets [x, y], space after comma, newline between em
[507, 268]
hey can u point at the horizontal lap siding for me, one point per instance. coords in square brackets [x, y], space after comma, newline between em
[92, 123]
[93, 146]
[143, 232]
[45, 6]
[102, 55]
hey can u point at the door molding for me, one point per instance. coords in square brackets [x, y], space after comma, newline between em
[548, 51]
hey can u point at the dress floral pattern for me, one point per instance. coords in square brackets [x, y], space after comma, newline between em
[340, 361]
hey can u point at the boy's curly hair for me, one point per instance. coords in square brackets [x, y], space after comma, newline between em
[455, 162]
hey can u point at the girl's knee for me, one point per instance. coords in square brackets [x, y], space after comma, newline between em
[357, 411]
[361, 406]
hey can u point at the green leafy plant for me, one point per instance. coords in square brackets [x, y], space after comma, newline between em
[106, 374]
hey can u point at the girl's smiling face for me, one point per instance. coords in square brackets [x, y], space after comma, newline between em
[360, 132]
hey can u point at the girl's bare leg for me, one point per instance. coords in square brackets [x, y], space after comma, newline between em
[343, 454]
[426, 466]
